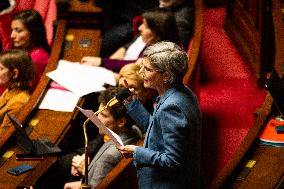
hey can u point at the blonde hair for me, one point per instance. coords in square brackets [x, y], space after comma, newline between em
[131, 72]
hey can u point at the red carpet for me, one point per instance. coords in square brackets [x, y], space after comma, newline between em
[228, 95]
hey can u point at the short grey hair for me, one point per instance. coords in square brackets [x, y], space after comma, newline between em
[168, 57]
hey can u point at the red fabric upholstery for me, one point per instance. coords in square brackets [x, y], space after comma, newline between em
[136, 22]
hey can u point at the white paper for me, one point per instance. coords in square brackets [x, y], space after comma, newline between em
[59, 100]
[112, 135]
[81, 79]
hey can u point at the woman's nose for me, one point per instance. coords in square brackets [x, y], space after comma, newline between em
[12, 35]
[140, 28]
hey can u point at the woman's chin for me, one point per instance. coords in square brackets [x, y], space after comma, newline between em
[146, 85]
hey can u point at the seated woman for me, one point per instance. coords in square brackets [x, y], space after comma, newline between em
[158, 25]
[129, 77]
[28, 32]
[17, 74]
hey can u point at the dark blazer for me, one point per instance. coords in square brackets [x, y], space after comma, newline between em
[170, 157]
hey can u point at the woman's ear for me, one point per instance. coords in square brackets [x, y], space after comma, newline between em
[15, 73]
[166, 77]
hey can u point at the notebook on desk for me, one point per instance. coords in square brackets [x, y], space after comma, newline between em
[36, 147]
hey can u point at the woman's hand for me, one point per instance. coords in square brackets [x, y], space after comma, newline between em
[127, 151]
[91, 61]
[131, 97]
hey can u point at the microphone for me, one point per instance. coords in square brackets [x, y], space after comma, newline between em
[121, 96]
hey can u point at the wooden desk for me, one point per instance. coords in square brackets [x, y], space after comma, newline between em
[84, 14]
[87, 7]
[52, 125]
[84, 42]
[268, 170]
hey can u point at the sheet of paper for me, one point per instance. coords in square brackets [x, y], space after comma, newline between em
[112, 135]
[81, 79]
[59, 100]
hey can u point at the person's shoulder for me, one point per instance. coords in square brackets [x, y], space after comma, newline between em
[16, 98]
[182, 91]
[110, 152]
[182, 95]
[21, 95]
[39, 52]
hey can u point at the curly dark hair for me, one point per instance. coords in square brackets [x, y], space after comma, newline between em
[118, 110]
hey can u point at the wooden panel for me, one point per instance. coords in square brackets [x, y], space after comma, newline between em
[84, 43]
[87, 7]
[84, 14]
[268, 169]
[278, 22]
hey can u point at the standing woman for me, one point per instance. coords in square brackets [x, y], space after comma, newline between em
[28, 32]
[170, 156]
[16, 76]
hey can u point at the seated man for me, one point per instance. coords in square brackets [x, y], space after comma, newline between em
[107, 156]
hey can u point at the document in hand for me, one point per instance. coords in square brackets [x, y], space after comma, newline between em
[112, 135]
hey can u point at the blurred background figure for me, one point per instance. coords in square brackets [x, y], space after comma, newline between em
[46, 8]
[16, 76]
[184, 14]
[158, 24]
[118, 18]
[28, 33]
[130, 77]
[69, 167]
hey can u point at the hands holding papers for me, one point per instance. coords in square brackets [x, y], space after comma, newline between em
[113, 136]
